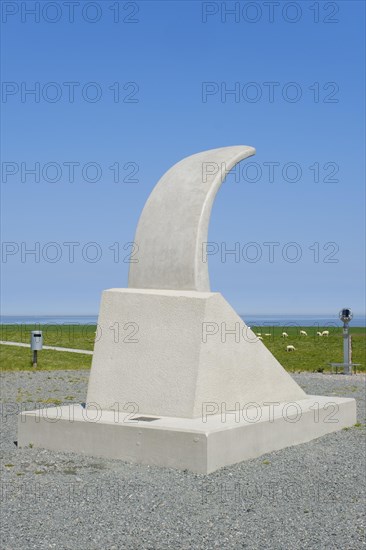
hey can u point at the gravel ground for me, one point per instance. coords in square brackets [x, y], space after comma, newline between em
[308, 496]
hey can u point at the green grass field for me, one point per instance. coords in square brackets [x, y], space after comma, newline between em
[65, 336]
[14, 359]
[313, 353]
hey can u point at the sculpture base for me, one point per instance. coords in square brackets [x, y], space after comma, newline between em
[171, 351]
[201, 445]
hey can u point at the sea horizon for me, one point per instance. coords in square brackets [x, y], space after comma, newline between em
[359, 320]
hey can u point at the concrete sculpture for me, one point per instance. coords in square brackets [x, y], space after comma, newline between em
[184, 382]
[174, 222]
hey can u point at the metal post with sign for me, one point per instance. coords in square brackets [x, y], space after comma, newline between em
[36, 344]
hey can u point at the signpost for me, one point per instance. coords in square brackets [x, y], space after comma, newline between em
[36, 344]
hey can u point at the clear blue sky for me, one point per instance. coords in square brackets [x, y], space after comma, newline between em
[168, 53]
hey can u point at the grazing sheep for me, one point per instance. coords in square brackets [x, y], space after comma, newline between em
[319, 334]
[260, 338]
[290, 348]
[325, 333]
[303, 333]
[267, 334]
[284, 335]
[259, 334]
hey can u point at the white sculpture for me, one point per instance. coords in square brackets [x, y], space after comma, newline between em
[206, 389]
[177, 371]
[174, 222]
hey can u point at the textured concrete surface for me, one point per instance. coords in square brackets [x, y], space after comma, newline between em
[174, 222]
[168, 360]
[201, 445]
[169, 365]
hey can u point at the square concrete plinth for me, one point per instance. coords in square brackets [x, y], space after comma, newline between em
[201, 445]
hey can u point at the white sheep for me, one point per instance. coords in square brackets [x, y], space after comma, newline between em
[290, 348]
[259, 334]
[260, 338]
[284, 335]
[325, 333]
[319, 334]
[267, 334]
[303, 333]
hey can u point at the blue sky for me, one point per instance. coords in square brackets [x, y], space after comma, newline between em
[140, 103]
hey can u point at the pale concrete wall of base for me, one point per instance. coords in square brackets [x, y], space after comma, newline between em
[183, 443]
[171, 371]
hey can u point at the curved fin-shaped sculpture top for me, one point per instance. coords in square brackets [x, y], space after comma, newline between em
[174, 222]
